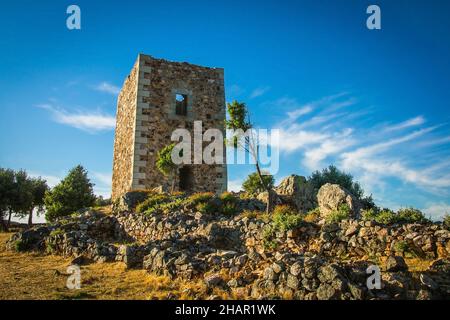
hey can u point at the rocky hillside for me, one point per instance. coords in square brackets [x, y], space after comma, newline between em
[229, 242]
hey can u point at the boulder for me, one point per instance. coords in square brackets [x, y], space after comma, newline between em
[331, 196]
[296, 191]
[396, 263]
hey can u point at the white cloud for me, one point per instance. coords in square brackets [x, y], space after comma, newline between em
[87, 121]
[108, 88]
[437, 211]
[235, 185]
[258, 92]
[51, 179]
[406, 124]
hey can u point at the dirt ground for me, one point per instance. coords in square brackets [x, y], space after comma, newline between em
[37, 276]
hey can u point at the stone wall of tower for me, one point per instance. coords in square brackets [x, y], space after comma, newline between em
[125, 135]
[157, 84]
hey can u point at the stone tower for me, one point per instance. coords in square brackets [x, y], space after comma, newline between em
[158, 97]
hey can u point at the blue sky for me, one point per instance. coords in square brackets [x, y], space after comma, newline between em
[372, 102]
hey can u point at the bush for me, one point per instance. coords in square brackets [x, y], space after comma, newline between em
[21, 245]
[229, 203]
[252, 184]
[336, 216]
[386, 216]
[369, 214]
[335, 176]
[73, 193]
[312, 216]
[285, 218]
[201, 197]
[151, 202]
[206, 208]
[410, 215]
[446, 221]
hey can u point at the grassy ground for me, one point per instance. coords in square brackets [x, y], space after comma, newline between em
[37, 276]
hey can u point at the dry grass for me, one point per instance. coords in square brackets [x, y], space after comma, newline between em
[37, 276]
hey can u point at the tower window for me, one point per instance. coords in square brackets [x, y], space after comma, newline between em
[181, 104]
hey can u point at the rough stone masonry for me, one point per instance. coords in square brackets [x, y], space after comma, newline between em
[158, 97]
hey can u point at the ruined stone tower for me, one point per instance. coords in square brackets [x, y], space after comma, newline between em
[158, 97]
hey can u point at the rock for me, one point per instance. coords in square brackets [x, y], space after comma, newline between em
[395, 264]
[428, 282]
[331, 196]
[81, 260]
[277, 268]
[296, 191]
[296, 269]
[292, 282]
[326, 292]
[213, 280]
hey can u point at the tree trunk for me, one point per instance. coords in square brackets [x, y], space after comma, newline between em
[30, 219]
[9, 218]
[3, 225]
[268, 189]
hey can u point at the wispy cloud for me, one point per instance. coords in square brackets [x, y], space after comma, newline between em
[91, 122]
[258, 92]
[52, 180]
[107, 88]
[406, 124]
[235, 185]
[329, 130]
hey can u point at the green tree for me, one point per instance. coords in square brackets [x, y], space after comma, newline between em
[239, 120]
[73, 193]
[22, 194]
[165, 164]
[335, 176]
[6, 187]
[253, 183]
[36, 189]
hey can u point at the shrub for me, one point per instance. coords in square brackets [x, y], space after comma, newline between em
[369, 214]
[285, 218]
[312, 216]
[410, 215]
[20, 245]
[386, 216]
[229, 203]
[446, 221]
[151, 202]
[336, 216]
[201, 197]
[252, 184]
[335, 176]
[206, 208]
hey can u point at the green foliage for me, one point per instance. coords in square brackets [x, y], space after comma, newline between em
[153, 201]
[102, 202]
[386, 216]
[229, 203]
[369, 214]
[73, 193]
[285, 218]
[164, 161]
[336, 216]
[252, 184]
[206, 208]
[20, 245]
[446, 221]
[312, 215]
[410, 215]
[201, 197]
[335, 176]
[238, 115]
